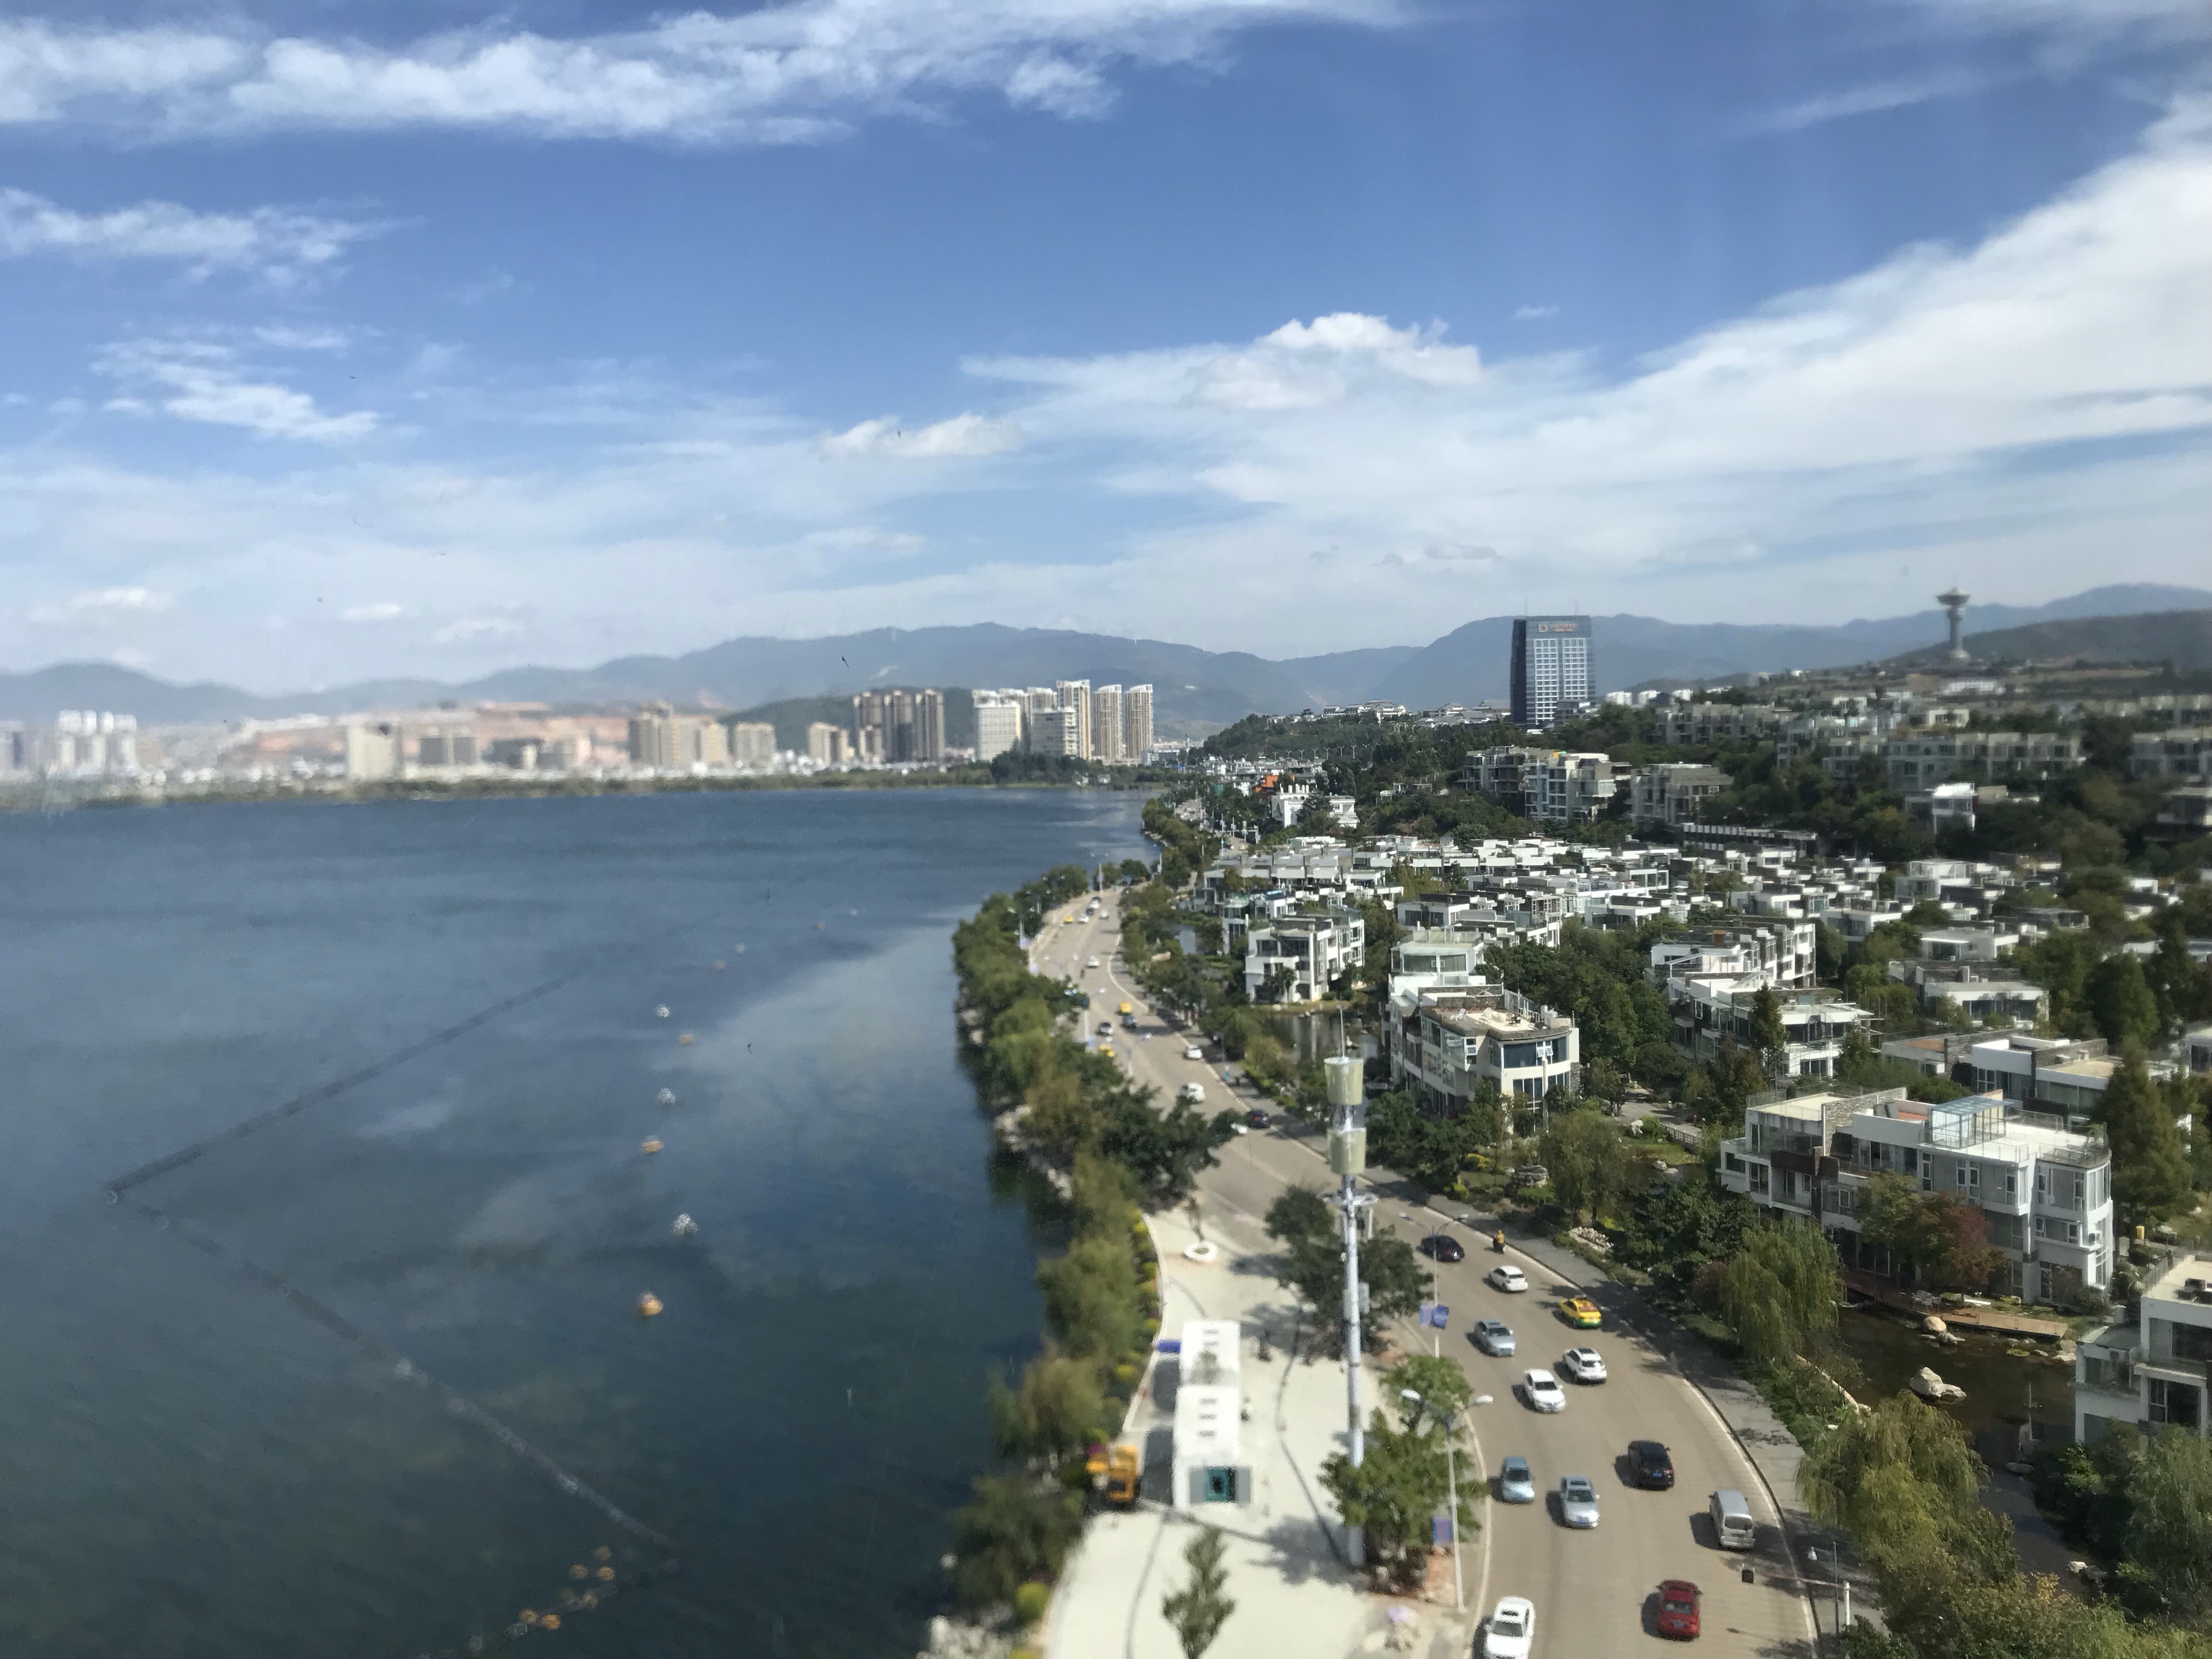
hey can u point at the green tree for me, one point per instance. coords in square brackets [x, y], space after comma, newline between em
[1677, 1227]
[1441, 1386]
[1013, 1530]
[1197, 1612]
[1904, 1480]
[1778, 1291]
[1060, 1409]
[1312, 1265]
[1395, 1494]
[1589, 1166]
[1769, 1038]
[2150, 1161]
[1941, 1237]
[2170, 1532]
[2182, 990]
[1090, 1299]
[2120, 1001]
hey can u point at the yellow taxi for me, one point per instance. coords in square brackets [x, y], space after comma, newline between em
[1582, 1312]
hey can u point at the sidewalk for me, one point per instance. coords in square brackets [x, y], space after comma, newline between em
[1284, 1562]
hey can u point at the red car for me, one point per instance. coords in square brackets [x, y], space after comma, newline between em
[1678, 1609]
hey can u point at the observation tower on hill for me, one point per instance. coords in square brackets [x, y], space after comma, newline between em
[1954, 607]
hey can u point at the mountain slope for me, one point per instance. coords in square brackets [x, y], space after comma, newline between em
[2183, 638]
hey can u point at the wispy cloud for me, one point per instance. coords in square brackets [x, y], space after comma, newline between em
[795, 72]
[197, 381]
[1872, 99]
[963, 435]
[471, 629]
[1533, 314]
[275, 243]
[383, 611]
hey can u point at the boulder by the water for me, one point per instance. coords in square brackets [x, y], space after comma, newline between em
[1928, 1386]
[1933, 1325]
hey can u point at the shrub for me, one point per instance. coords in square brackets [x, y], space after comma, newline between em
[1031, 1602]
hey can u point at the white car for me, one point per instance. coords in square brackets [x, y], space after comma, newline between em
[1511, 1631]
[1503, 1278]
[1582, 1364]
[1193, 1093]
[1094, 962]
[1542, 1391]
[1194, 1053]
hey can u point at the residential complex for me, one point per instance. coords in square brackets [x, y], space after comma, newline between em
[1112, 724]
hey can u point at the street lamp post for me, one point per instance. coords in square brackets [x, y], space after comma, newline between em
[1451, 1483]
[1347, 1157]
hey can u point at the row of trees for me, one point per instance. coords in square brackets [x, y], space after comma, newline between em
[1081, 1112]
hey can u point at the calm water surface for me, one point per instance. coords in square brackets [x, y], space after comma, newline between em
[191, 1465]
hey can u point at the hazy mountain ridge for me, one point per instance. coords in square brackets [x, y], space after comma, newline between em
[1191, 686]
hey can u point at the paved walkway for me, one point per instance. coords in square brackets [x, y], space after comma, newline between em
[1293, 1593]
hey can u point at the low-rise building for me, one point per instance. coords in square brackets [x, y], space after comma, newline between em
[1668, 796]
[2064, 1076]
[1311, 949]
[1547, 786]
[1784, 951]
[2152, 1372]
[1709, 1009]
[1921, 760]
[1446, 1044]
[2183, 754]
[1705, 723]
[2044, 1190]
[753, 743]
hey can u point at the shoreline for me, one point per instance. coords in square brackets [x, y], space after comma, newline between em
[335, 792]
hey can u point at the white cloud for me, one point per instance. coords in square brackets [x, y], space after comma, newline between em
[196, 380]
[1533, 314]
[963, 435]
[274, 243]
[383, 611]
[1870, 100]
[469, 629]
[2027, 416]
[116, 601]
[782, 73]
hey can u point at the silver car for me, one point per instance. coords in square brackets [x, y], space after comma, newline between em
[1516, 1484]
[1577, 1502]
[1494, 1337]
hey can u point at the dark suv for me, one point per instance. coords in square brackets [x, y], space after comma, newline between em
[1650, 1465]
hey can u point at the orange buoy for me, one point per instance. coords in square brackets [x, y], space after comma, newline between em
[686, 1038]
[579, 1571]
[528, 1617]
[650, 1144]
[550, 1621]
[601, 1552]
[606, 1575]
[648, 1304]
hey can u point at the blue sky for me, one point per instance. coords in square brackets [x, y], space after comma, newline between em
[422, 338]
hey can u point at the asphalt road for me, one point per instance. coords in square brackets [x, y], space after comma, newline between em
[1595, 1591]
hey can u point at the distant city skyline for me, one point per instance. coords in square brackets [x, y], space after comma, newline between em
[1548, 309]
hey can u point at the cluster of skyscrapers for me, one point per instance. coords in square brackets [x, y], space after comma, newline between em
[82, 743]
[1108, 723]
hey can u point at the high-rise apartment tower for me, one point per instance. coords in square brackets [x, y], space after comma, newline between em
[1551, 670]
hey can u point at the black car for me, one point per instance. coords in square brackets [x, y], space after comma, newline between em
[1650, 1465]
[1258, 1119]
[1442, 1247]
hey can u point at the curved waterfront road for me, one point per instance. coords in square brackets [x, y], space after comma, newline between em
[1594, 1592]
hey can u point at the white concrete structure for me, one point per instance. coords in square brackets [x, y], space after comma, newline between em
[2046, 1191]
[1670, 796]
[1445, 1043]
[1315, 949]
[2050, 1074]
[1211, 1470]
[998, 722]
[2156, 1372]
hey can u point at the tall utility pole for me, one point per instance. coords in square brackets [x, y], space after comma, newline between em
[1347, 1157]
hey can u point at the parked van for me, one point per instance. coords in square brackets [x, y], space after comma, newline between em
[1732, 1523]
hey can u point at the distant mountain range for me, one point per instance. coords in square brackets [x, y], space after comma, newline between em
[1194, 690]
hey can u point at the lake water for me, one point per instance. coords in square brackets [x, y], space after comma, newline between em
[193, 1463]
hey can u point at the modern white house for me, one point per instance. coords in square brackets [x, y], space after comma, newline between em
[1444, 1044]
[2065, 1076]
[1709, 1009]
[2155, 1372]
[2045, 1190]
[1211, 1470]
[1314, 948]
